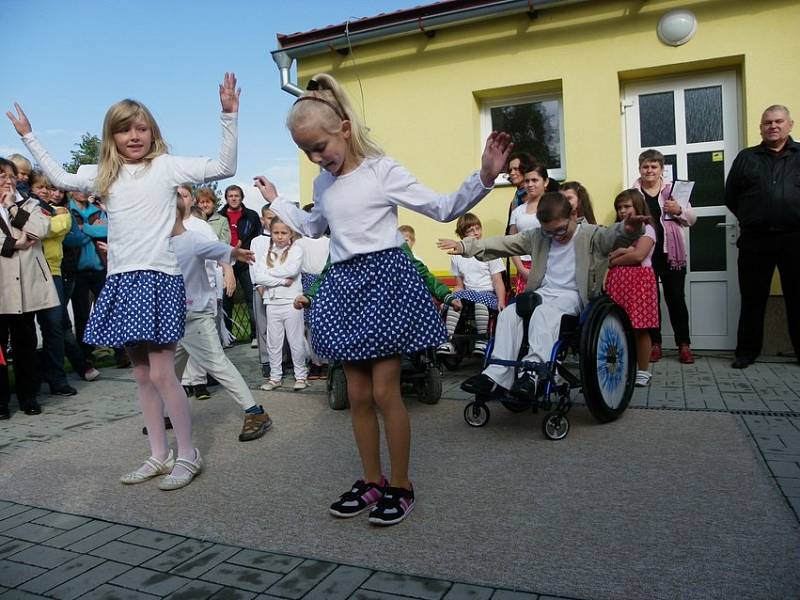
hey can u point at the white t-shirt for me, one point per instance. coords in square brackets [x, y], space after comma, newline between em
[141, 201]
[524, 221]
[315, 254]
[559, 276]
[192, 250]
[204, 229]
[360, 207]
[477, 275]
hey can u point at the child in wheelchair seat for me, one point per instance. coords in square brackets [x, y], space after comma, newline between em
[570, 260]
[478, 282]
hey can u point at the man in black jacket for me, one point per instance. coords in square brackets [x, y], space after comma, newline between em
[763, 191]
[245, 224]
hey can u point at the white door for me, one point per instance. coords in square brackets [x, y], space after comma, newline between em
[694, 122]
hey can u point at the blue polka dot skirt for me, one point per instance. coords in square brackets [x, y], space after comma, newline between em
[484, 297]
[136, 307]
[371, 306]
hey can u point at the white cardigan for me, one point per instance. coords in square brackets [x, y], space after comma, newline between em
[272, 278]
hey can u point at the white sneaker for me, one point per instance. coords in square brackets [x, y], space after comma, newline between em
[271, 385]
[254, 343]
[91, 374]
[447, 349]
[643, 378]
[480, 348]
[299, 385]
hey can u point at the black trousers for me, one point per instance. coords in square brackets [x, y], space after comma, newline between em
[673, 281]
[22, 331]
[759, 255]
[88, 285]
[242, 273]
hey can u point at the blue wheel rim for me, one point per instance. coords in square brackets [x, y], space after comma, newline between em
[613, 356]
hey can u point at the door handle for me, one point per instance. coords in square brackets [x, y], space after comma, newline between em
[725, 225]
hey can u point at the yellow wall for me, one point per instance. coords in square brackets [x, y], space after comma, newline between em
[422, 96]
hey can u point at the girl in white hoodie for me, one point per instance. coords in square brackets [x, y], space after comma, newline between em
[277, 277]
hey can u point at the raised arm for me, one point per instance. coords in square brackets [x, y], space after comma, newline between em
[78, 182]
[311, 224]
[499, 246]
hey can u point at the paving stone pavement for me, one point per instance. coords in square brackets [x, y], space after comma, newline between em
[48, 554]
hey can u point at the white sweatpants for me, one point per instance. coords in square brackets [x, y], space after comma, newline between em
[201, 342]
[260, 315]
[543, 332]
[284, 321]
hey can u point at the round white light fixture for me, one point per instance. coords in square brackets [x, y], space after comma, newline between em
[677, 27]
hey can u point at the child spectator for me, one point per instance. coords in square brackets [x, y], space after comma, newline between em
[24, 169]
[631, 282]
[194, 248]
[315, 257]
[279, 279]
[478, 282]
[142, 305]
[524, 217]
[578, 197]
[372, 307]
[260, 246]
[410, 236]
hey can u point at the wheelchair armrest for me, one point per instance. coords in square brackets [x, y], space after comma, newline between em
[526, 303]
[569, 326]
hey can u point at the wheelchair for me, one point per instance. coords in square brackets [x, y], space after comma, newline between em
[419, 370]
[603, 339]
[466, 334]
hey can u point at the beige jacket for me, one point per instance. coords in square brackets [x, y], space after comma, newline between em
[26, 284]
[593, 243]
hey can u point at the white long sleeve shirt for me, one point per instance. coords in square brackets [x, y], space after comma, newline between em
[360, 207]
[192, 250]
[141, 202]
[272, 278]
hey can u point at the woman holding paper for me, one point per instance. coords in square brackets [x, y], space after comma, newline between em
[669, 254]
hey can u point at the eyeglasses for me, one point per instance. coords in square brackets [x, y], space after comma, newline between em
[7, 177]
[560, 232]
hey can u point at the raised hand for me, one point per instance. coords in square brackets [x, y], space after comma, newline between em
[229, 94]
[244, 255]
[633, 223]
[20, 120]
[495, 156]
[266, 187]
[450, 246]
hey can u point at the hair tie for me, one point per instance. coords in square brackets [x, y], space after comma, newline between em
[313, 85]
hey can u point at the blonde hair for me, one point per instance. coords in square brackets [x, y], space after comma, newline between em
[119, 118]
[277, 221]
[38, 178]
[20, 161]
[409, 230]
[327, 104]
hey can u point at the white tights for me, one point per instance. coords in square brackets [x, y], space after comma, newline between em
[157, 387]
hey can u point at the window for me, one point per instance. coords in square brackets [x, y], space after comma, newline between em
[536, 125]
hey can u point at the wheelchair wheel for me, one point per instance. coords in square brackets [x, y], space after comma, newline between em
[337, 390]
[476, 415]
[429, 389]
[555, 426]
[608, 360]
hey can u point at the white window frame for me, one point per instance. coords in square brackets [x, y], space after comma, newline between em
[486, 126]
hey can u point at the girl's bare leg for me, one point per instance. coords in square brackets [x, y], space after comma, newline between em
[386, 393]
[365, 421]
[150, 403]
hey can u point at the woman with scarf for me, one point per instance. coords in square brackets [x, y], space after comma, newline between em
[669, 255]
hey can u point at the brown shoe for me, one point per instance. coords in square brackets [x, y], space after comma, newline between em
[685, 354]
[255, 426]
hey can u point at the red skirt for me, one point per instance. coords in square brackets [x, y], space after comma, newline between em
[519, 281]
[634, 289]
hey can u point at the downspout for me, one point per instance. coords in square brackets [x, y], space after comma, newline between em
[284, 62]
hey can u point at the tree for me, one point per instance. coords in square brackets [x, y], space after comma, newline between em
[88, 153]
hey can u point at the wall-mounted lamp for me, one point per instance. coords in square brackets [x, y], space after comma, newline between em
[677, 27]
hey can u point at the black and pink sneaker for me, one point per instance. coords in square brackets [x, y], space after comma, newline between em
[393, 507]
[362, 496]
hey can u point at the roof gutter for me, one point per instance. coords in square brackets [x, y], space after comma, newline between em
[285, 56]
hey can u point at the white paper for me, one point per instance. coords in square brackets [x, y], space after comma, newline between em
[668, 175]
[681, 192]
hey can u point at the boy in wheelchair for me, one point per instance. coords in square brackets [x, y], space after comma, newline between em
[568, 268]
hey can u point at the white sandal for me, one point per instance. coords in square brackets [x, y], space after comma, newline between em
[193, 468]
[158, 467]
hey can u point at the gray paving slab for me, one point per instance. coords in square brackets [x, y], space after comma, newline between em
[88, 581]
[130, 554]
[205, 560]
[417, 587]
[61, 521]
[152, 539]
[31, 532]
[241, 577]
[43, 556]
[461, 591]
[63, 573]
[11, 546]
[195, 590]
[302, 579]
[278, 563]
[113, 592]
[151, 582]
[81, 532]
[13, 574]
[177, 555]
[339, 584]
[100, 538]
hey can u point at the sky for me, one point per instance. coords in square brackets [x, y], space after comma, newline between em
[71, 59]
